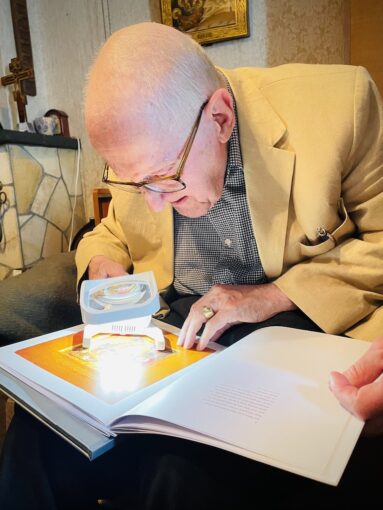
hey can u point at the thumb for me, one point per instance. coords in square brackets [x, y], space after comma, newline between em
[345, 392]
[338, 381]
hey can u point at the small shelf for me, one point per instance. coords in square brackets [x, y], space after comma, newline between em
[9, 136]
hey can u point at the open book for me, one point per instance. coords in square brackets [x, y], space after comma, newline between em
[266, 397]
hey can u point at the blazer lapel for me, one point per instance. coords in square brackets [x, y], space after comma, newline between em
[268, 168]
[268, 177]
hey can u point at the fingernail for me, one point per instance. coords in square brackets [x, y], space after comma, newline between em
[188, 344]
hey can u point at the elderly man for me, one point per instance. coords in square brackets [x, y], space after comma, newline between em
[258, 189]
[256, 195]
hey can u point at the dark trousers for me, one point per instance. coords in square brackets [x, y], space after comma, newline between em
[41, 471]
[41, 300]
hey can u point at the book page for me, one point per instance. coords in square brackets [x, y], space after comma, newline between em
[268, 394]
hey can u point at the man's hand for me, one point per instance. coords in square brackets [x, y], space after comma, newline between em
[359, 390]
[102, 267]
[232, 304]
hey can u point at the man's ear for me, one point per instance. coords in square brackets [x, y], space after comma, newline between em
[221, 109]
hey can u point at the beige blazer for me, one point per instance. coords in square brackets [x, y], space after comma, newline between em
[312, 146]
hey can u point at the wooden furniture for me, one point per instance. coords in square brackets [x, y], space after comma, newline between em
[367, 37]
[101, 199]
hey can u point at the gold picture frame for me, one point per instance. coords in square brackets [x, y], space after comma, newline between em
[207, 21]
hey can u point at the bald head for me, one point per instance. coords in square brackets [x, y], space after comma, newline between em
[148, 80]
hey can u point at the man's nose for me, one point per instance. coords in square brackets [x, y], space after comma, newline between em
[154, 200]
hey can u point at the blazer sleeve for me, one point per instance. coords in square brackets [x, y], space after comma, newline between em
[107, 239]
[343, 287]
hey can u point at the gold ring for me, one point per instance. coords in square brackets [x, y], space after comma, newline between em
[208, 312]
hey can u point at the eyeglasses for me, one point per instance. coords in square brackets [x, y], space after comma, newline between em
[169, 184]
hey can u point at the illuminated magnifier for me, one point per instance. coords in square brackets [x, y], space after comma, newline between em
[120, 294]
[119, 298]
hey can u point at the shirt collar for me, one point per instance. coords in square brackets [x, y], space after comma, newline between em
[234, 157]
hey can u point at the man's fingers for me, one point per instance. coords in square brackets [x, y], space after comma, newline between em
[368, 367]
[369, 401]
[184, 329]
[214, 327]
[213, 330]
[181, 336]
[343, 390]
[102, 267]
[365, 402]
[338, 382]
[189, 330]
[194, 322]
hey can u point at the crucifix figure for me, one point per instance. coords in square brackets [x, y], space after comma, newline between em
[21, 68]
[16, 77]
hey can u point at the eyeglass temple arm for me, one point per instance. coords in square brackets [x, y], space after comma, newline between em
[191, 139]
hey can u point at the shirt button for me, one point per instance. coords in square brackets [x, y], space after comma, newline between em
[228, 243]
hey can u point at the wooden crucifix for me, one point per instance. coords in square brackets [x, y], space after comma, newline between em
[21, 68]
[17, 76]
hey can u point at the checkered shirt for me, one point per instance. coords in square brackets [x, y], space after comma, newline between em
[220, 246]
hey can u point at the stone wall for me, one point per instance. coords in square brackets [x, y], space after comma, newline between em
[44, 208]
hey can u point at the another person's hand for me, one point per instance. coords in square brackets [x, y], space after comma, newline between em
[231, 304]
[360, 389]
[102, 267]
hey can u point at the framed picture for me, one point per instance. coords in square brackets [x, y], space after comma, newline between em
[207, 21]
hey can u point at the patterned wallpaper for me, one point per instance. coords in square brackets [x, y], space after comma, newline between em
[309, 31]
[280, 31]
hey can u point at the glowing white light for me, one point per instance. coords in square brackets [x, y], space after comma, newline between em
[120, 372]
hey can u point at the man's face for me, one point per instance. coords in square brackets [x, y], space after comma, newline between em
[203, 173]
